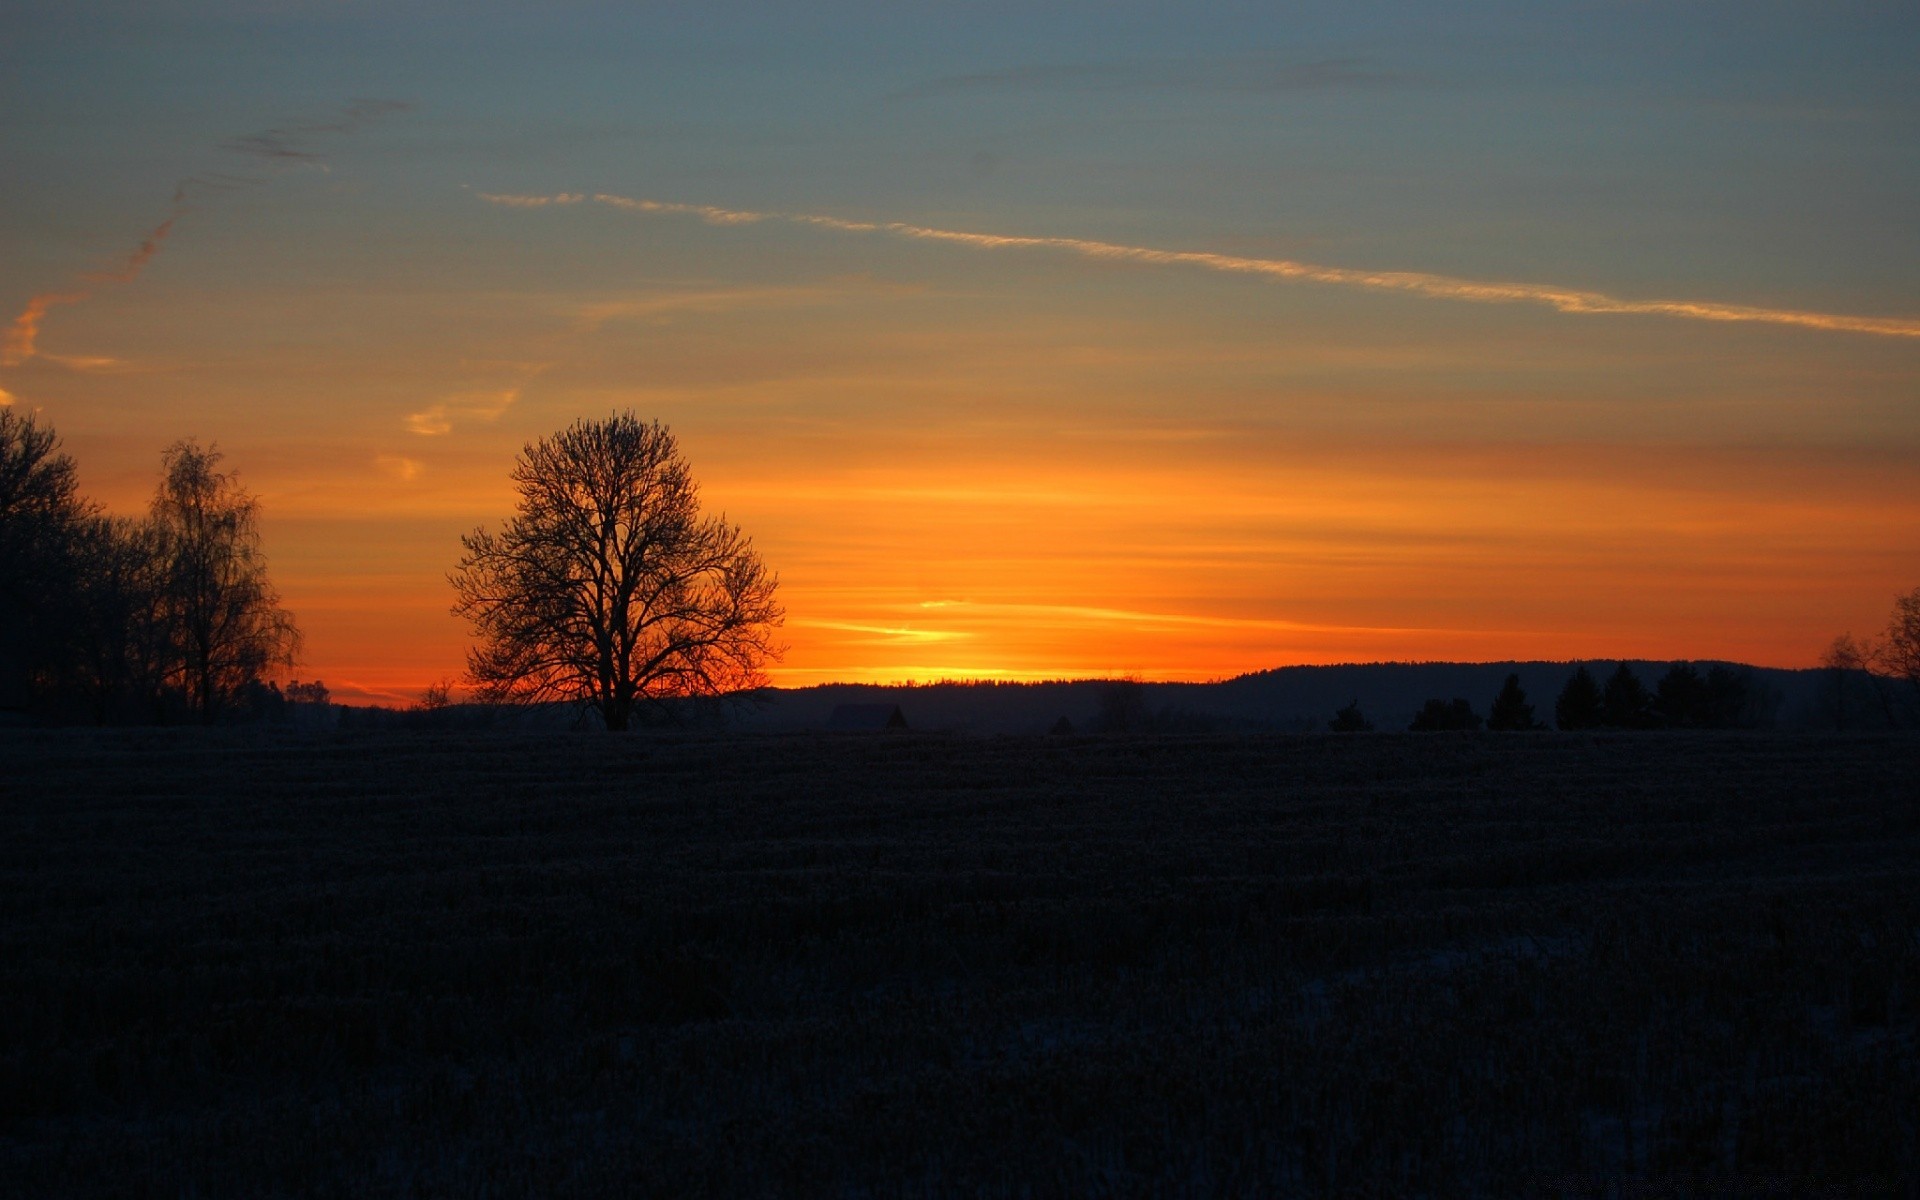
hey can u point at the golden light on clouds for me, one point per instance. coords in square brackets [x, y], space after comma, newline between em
[485, 406]
[399, 467]
[509, 201]
[23, 336]
[430, 422]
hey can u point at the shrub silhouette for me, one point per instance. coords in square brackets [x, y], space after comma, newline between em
[1731, 698]
[1350, 720]
[1123, 708]
[1438, 715]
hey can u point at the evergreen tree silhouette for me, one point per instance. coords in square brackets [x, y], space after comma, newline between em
[1681, 699]
[1510, 708]
[1579, 705]
[1624, 702]
[1727, 696]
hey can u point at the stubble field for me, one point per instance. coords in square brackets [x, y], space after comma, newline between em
[236, 964]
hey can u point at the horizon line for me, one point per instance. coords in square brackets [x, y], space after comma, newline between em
[1052, 680]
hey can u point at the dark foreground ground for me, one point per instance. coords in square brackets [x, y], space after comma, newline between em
[407, 964]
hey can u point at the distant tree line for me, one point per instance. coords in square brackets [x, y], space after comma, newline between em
[1124, 709]
[162, 618]
[1721, 697]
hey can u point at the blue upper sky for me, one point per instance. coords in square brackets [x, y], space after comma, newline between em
[1760, 151]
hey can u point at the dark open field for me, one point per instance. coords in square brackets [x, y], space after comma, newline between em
[411, 964]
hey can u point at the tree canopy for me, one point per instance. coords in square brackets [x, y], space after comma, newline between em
[1900, 650]
[41, 515]
[608, 588]
[115, 618]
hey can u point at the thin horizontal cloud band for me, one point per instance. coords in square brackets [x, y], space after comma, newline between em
[1439, 287]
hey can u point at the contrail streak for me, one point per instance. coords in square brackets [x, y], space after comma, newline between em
[269, 146]
[23, 336]
[1416, 283]
[136, 262]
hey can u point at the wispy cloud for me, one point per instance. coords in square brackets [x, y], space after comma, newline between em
[595, 315]
[1246, 74]
[439, 419]
[277, 145]
[290, 142]
[130, 269]
[1077, 612]
[24, 334]
[101, 364]
[504, 201]
[716, 216]
[887, 634]
[6, 398]
[1415, 283]
[398, 466]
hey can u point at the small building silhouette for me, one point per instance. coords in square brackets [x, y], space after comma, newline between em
[867, 718]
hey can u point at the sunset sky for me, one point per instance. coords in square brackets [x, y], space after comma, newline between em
[1104, 339]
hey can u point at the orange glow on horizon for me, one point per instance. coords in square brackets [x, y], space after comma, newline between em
[1014, 571]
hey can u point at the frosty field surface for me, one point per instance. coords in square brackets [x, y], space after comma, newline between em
[245, 964]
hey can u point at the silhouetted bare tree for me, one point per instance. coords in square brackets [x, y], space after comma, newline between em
[118, 618]
[1845, 661]
[437, 697]
[1899, 650]
[608, 588]
[227, 626]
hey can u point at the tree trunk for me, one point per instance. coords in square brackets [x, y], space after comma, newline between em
[206, 692]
